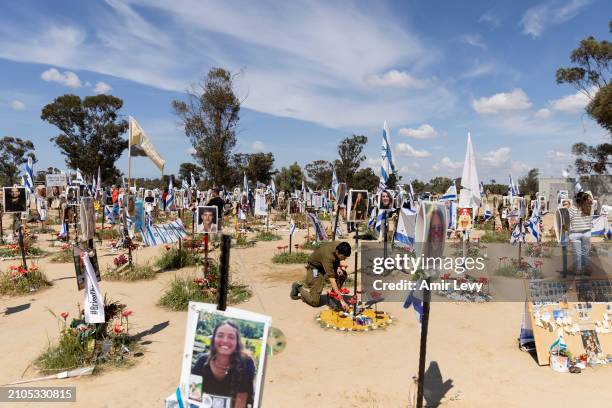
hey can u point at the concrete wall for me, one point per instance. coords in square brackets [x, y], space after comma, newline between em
[601, 186]
[550, 187]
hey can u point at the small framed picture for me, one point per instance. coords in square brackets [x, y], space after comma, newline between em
[207, 219]
[79, 267]
[72, 195]
[15, 200]
[357, 206]
[385, 200]
[224, 357]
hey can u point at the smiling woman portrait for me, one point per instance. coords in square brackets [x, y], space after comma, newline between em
[227, 370]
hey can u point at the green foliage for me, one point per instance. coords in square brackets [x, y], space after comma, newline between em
[350, 151]
[267, 236]
[81, 344]
[365, 179]
[17, 282]
[291, 258]
[108, 234]
[210, 117]
[257, 166]
[320, 172]
[289, 178]
[529, 183]
[513, 270]
[182, 290]
[63, 256]
[14, 153]
[129, 273]
[495, 237]
[176, 259]
[91, 132]
[187, 169]
[311, 245]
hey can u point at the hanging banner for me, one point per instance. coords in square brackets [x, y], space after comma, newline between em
[56, 180]
[79, 266]
[163, 233]
[93, 304]
[139, 214]
[318, 226]
[261, 207]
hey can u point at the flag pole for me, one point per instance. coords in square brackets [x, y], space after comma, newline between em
[423, 345]
[129, 153]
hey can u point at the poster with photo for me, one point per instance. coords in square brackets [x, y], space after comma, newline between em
[79, 267]
[385, 200]
[56, 191]
[317, 201]
[15, 200]
[87, 216]
[224, 357]
[357, 206]
[590, 341]
[261, 207]
[72, 196]
[464, 219]
[207, 219]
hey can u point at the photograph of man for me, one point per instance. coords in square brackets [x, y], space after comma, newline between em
[207, 219]
[15, 200]
[358, 205]
[323, 266]
[72, 195]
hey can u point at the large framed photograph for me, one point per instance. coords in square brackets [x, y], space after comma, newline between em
[207, 219]
[15, 200]
[224, 357]
[357, 206]
[385, 200]
[72, 196]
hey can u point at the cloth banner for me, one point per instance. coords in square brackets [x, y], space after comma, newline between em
[167, 233]
[140, 145]
[406, 228]
[87, 216]
[526, 335]
[599, 226]
[261, 208]
[41, 207]
[318, 226]
[93, 304]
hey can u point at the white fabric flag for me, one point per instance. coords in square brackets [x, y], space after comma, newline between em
[469, 178]
[261, 207]
[93, 304]
[140, 145]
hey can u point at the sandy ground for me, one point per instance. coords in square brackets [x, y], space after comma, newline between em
[474, 346]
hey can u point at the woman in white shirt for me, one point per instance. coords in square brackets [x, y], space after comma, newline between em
[580, 231]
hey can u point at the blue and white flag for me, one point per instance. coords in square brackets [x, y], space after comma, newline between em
[578, 187]
[599, 226]
[109, 214]
[526, 334]
[487, 213]
[291, 227]
[79, 177]
[273, 189]
[245, 184]
[170, 196]
[518, 234]
[559, 344]
[334, 184]
[534, 224]
[184, 185]
[452, 216]
[318, 227]
[387, 167]
[512, 189]
[192, 180]
[99, 184]
[415, 300]
[64, 230]
[410, 193]
[29, 175]
[406, 227]
[451, 193]
[303, 189]
[481, 193]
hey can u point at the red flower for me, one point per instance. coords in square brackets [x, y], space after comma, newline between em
[118, 329]
[168, 247]
[484, 280]
[446, 276]
[352, 300]
[127, 313]
[64, 315]
[375, 295]
[334, 295]
[345, 291]
[198, 281]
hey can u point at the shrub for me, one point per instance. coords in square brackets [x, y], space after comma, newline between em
[176, 259]
[182, 290]
[523, 270]
[495, 237]
[311, 244]
[19, 281]
[81, 344]
[267, 236]
[129, 273]
[290, 258]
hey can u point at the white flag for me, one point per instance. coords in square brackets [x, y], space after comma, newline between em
[93, 304]
[469, 178]
[140, 145]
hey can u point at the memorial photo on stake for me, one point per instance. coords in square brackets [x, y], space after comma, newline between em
[224, 357]
[590, 342]
[464, 218]
[72, 195]
[79, 267]
[207, 219]
[15, 200]
[358, 206]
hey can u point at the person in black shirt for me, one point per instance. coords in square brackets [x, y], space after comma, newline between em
[227, 371]
[219, 203]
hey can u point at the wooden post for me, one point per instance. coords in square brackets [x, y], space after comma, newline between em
[21, 246]
[355, 283]
[226, 242]
[423, 346]
[1, 228]
[206, 263]
[520, 240]
[289, 240]
[336, 222]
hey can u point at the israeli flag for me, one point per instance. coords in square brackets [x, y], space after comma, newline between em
[29, 175]
[303, 189]
[517, 234]
[99, 184]
[451, 193]
[372, 220]
[273, 189]
[334, 184]
[64, 230]
[170, 196]
[452, 216]
[109, 214]
[184, 185]
[79, 177]
[292, 227]
[534, 224]
[94, 187]
[481, 192]
[512, 189]
[487, 214]
[380, 218]
[578, 187]
[406, 228]
[410, 192]
[387, 166]
[599, 226]
[414, 300]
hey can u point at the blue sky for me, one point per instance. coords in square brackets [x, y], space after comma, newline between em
[312, 73]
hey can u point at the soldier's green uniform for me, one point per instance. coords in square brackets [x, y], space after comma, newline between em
[322, 265]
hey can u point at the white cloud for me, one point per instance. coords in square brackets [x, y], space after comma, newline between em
[538, 18]
[68, 78]
[447, 164]
[501, 102]
[519, 168]
[424, 131]
[474, 40]
[17, 105]
[190, 150]
[557, 155]
[405, 149]
[102, 88]
[570, 103]
[258, 146]
[543, 113]
[396, 79]
[479, 69]
[490, 19]
[495, 158]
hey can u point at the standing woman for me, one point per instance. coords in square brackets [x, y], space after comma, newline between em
[580, 231]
